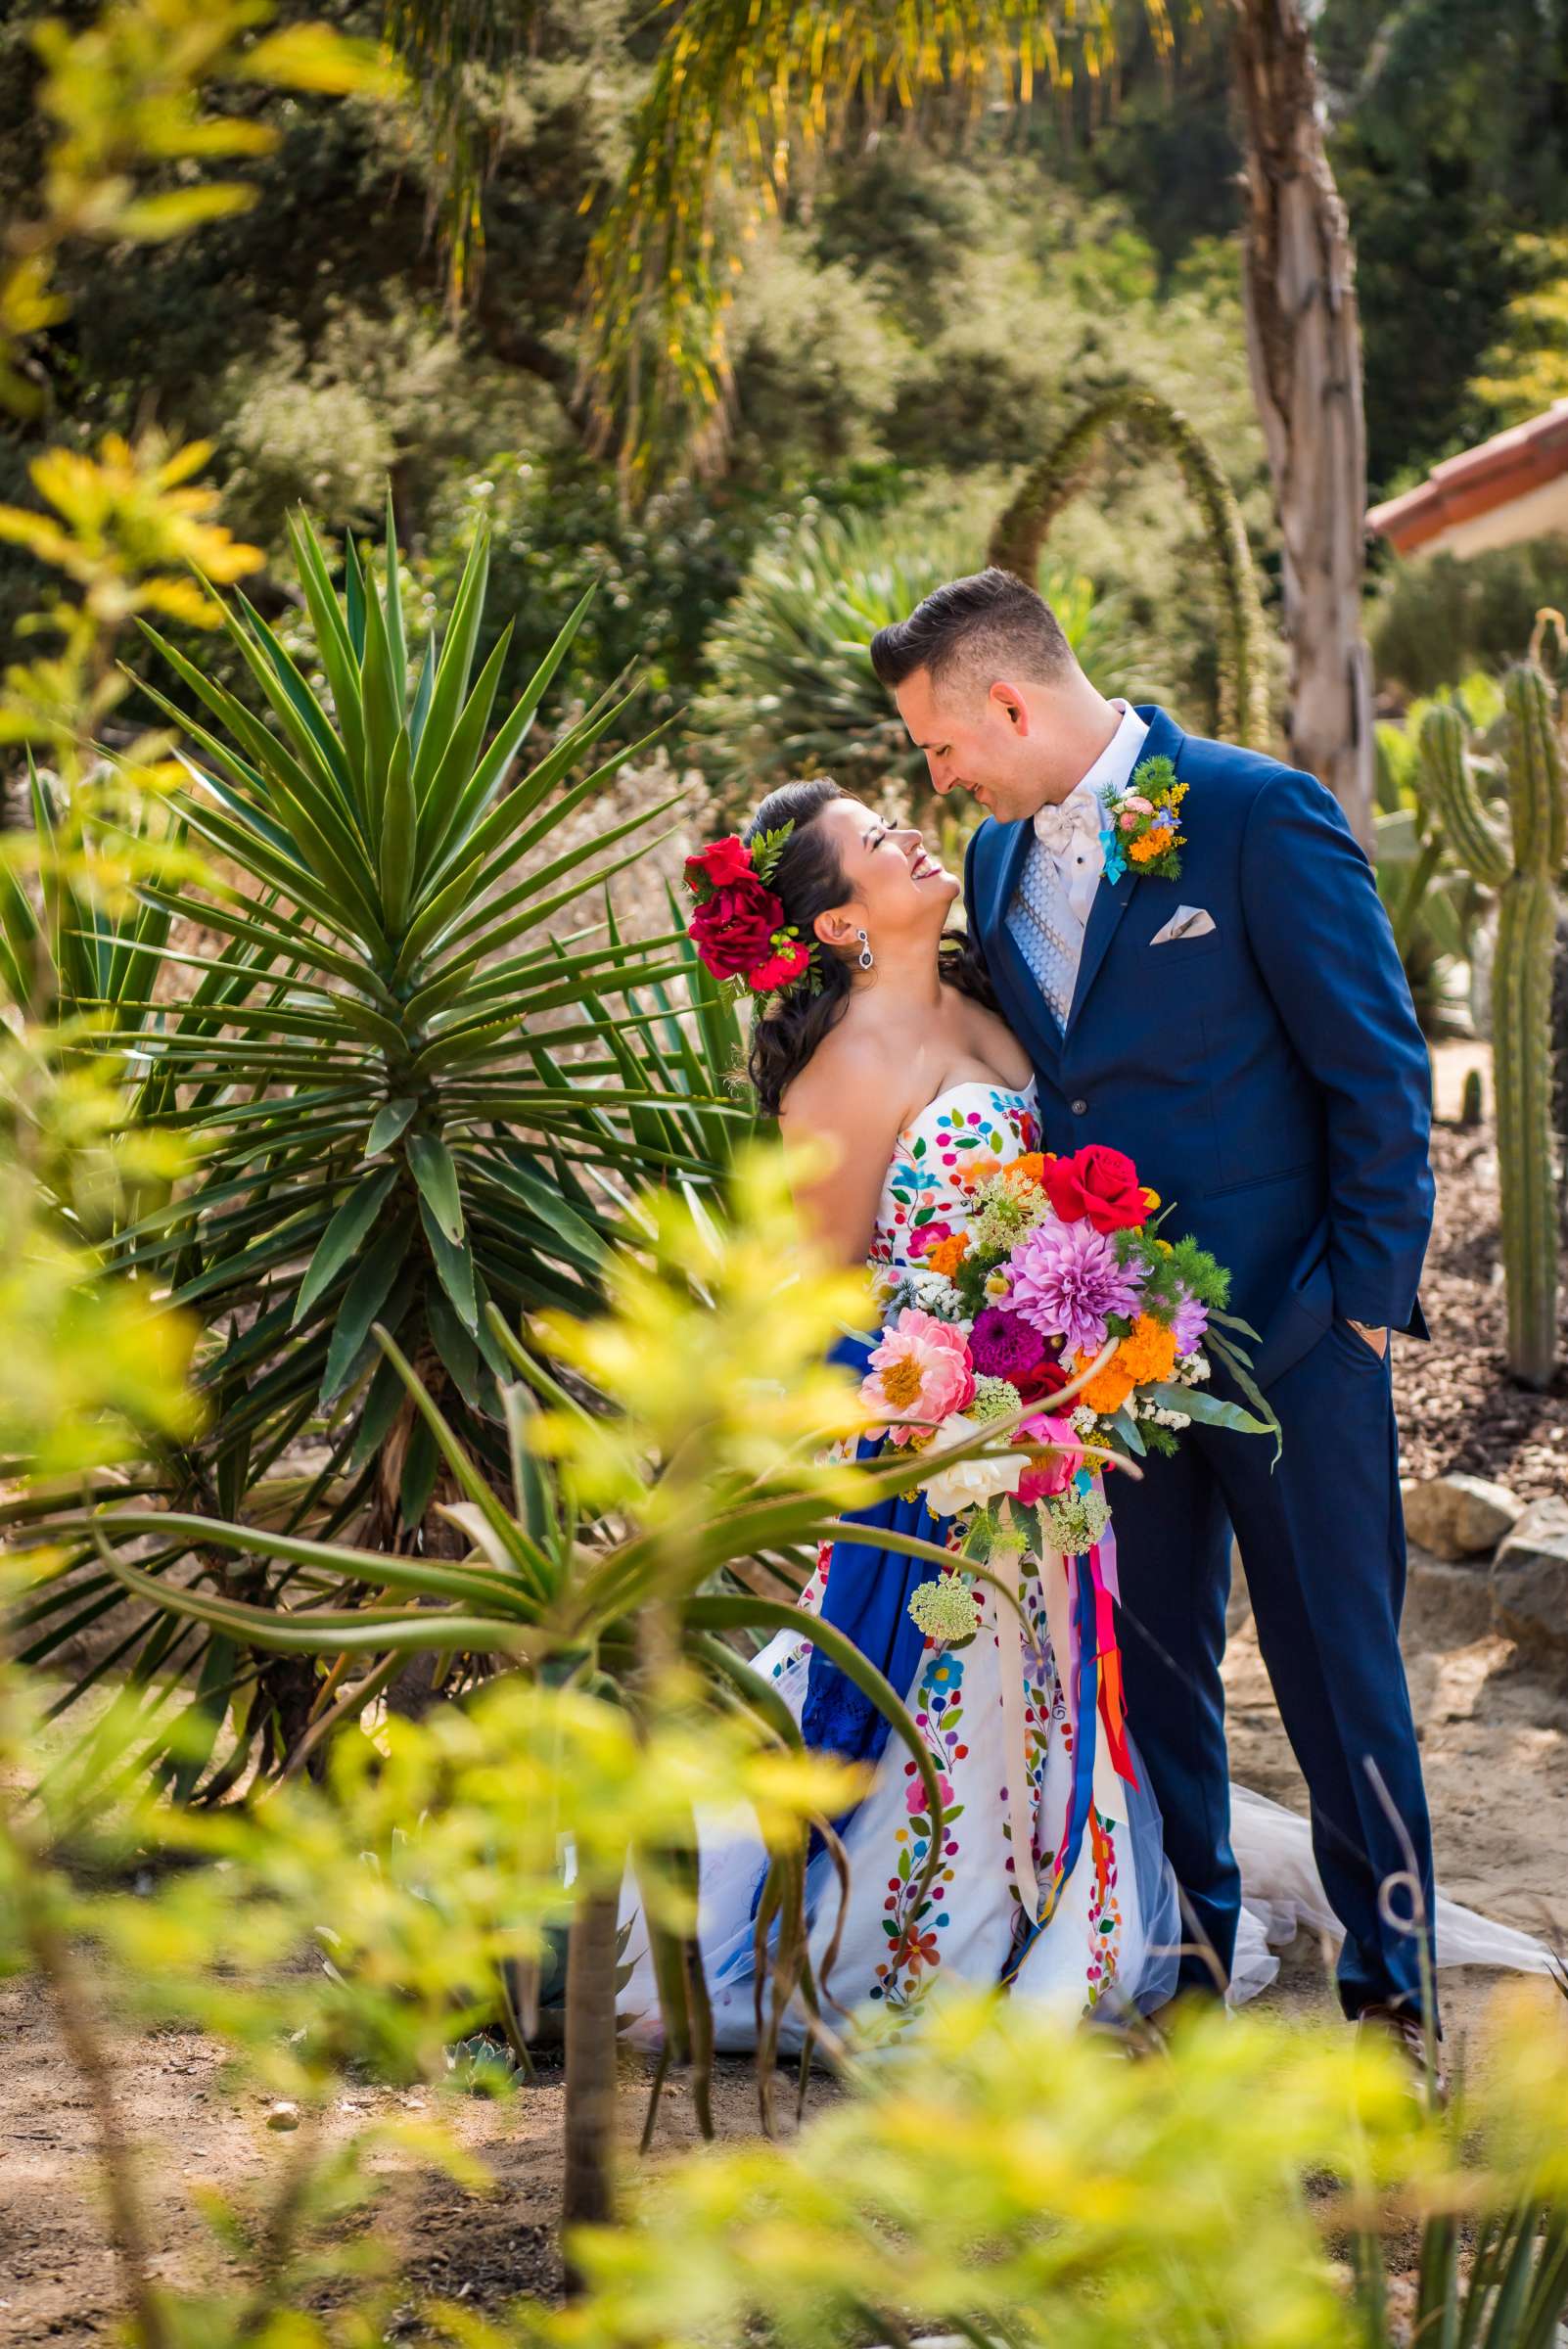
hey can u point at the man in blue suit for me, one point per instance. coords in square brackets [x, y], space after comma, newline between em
[1245, 1034]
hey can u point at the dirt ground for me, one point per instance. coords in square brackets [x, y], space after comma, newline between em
[1494, 1739]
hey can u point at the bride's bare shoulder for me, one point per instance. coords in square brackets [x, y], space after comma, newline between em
[851, 1082]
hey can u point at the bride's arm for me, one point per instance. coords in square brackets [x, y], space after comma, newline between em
[851, 1117]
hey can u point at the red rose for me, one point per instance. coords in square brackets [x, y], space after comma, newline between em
[734, 931]
[1097, 1182]
[1047, 1378]
[781, 969]
[727, 861]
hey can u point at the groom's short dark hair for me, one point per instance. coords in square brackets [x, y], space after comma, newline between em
[990, 619]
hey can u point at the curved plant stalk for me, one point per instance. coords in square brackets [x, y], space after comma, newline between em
[1155, 428]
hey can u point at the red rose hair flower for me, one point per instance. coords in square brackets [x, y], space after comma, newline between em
[738, 929]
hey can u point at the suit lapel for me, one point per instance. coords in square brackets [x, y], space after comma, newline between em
[1163, 739]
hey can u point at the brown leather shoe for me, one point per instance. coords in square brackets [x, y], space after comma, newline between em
[1403, 2026]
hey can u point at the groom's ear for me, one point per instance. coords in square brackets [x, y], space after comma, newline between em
[1010, 704]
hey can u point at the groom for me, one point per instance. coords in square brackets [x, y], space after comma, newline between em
[1245, 1034]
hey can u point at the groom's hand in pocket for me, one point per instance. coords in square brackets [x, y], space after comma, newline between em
[1377, 1339]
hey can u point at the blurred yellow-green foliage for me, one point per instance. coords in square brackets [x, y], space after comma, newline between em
[713, 1352]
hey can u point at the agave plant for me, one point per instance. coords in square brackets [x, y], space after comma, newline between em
[395, 1059]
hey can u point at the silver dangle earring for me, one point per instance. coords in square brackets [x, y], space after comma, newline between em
[865, 957]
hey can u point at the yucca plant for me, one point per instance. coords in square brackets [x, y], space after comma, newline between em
[395, 1060]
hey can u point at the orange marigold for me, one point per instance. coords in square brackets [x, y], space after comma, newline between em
[1109, 1389]
[1031, 1168]
[949, 1254]
[1152, 845]
[1150, 1354]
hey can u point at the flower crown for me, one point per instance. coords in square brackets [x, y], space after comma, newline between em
[738, 929]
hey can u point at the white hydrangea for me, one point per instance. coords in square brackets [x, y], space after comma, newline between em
[935, 1294]
[1192, 1369]
[1085, 1421]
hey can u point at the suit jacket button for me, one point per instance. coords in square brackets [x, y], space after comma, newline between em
[1081, 1109]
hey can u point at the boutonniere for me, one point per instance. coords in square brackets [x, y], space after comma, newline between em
[1140, 827]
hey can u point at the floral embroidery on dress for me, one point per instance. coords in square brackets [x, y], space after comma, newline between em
[911, 1919]
[930, 1158]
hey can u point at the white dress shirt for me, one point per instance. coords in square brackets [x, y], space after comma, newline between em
[1050, 911]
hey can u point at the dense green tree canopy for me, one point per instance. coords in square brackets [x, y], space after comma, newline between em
[937, 301]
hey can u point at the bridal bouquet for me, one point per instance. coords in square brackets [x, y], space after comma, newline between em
[1060, 1312]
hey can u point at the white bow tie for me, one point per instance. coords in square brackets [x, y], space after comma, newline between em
[1071, 832]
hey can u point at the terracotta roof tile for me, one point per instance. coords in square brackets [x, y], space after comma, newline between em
[1477, 481]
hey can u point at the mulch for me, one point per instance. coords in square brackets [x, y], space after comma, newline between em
[1458, 1408]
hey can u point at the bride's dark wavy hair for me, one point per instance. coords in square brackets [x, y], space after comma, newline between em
[809, 880]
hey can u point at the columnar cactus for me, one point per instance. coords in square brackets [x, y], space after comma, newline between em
[1524, 868]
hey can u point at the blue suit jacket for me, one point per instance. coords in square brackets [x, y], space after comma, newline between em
[1269, 1078]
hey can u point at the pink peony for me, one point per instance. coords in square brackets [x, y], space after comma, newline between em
[1053, 1476]
[919, 1370]
[1067, 1283]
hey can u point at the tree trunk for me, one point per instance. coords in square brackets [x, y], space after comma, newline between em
[589, 2191]
[1305, 349]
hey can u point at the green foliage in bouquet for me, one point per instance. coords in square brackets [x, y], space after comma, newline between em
[1524, 865]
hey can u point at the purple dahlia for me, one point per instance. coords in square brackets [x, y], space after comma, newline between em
[1188, 1323]
[1067, 1283]
[1002, 1346]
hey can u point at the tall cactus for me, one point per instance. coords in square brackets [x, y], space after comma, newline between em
[1523, 867]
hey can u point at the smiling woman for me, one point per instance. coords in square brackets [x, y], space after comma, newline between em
[865, 897]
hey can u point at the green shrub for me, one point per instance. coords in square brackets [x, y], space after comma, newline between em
[1435, 619]
[665, 573]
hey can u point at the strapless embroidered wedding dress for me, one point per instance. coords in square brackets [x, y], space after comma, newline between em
[1090, 1918]
[1102, 1921]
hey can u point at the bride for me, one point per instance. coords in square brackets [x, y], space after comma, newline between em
[877, 1034]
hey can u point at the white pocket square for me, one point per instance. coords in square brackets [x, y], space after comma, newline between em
[1187, 921]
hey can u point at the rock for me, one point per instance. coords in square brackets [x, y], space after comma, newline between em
[284, 2116]
[1530, 1578]
[1445, 1606]
[1459, 1516]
